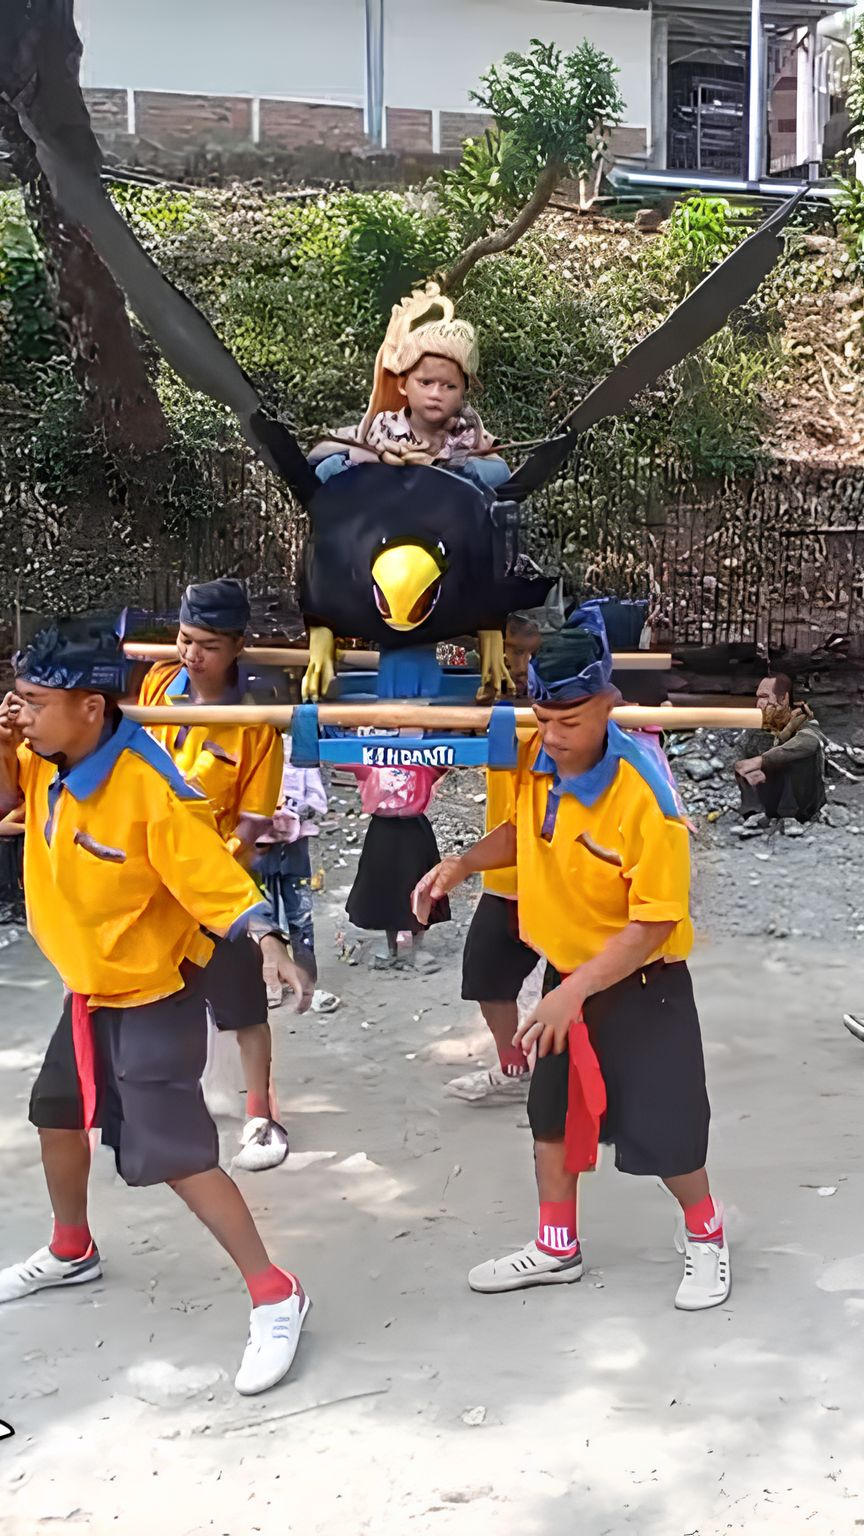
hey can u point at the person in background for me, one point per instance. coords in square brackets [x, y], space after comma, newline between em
[399, 848]
[239, 769]
[781, 775]
[496, 963]
[284, 865]
[12, 868]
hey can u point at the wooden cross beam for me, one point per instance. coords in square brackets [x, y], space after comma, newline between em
[388, 716]
[296, 659]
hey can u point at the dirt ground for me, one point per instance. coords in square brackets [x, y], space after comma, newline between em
[416, 1406]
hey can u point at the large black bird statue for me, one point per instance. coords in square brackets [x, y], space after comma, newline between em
[410, 556]
[389, 558]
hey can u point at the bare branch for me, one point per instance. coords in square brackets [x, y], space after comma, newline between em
[504, 239]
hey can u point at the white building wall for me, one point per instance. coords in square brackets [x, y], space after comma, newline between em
[435, 54]
[314, 50]
[310, 49]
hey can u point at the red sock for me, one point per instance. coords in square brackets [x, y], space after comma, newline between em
[704, 1222]
[513, 1060]
[271, 1285]
[556, 1232]
[70, 1242]
[257, 1106]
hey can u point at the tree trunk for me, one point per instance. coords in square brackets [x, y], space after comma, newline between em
[504, 239]
[121, 400]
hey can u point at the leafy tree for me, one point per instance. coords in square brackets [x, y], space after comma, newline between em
[553, 113]
[38, 39]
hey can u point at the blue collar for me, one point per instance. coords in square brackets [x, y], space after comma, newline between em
[586, 787]
[178, 688]
[90, 774]
[181, 688]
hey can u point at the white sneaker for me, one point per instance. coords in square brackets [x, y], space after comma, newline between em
[489, 1086]
[264, 1144]
[43, 1270]
[274, 1333]
[274, 997]
[324, 1002]
[707, 1276]
[854, 1024]
[530, 1266]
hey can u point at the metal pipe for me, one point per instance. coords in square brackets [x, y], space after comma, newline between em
[293, 659]
[375, 71]
[756, 95]
[691, 181]
[443, 717]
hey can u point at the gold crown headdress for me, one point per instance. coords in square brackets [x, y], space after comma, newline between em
[423, 324]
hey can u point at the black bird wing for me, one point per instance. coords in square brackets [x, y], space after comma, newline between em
[701, 314]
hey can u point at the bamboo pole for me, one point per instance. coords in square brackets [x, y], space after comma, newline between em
[293, 658]
[443, 717]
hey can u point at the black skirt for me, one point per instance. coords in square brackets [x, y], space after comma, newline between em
[397, 852]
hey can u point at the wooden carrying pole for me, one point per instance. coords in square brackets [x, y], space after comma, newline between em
[296, 659]
[442, 717]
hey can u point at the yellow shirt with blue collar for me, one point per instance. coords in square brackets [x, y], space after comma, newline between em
[598, 851]
[501, 807]
[124, 870]
[238, 767]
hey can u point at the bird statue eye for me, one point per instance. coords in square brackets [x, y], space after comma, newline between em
[441, 547]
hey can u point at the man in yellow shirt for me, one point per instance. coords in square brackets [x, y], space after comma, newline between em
[496, 962]
[603, 872]
[130, 891]
[239, 769]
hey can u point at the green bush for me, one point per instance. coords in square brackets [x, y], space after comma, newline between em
[702, 231]
[29, 326]
[850, 218]
[301, 293]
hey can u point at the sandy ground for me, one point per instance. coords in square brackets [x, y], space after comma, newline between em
[416, 1406]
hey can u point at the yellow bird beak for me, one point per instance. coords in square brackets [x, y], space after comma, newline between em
[407, 584]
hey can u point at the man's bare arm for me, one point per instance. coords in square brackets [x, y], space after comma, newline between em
[10, 740]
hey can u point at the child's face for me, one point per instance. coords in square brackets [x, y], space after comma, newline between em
[520, 648]
[434, 390]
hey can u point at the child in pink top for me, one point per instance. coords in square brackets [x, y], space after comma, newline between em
[398, 850]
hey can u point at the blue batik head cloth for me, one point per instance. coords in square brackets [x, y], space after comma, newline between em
[574, 662]
[78, 653]
[220, 605]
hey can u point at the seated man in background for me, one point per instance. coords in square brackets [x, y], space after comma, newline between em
[782, 775]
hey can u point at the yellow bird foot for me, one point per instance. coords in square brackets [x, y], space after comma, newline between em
[322, 665]
[495, 677]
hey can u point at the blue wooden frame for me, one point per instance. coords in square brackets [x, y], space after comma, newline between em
[313, 743]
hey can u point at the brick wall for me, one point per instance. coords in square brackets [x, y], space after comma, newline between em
[298, 124]
[628, 143]
[456, 127]
[185, 125]
[179, 121]
[409, 130]
[108, 110]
